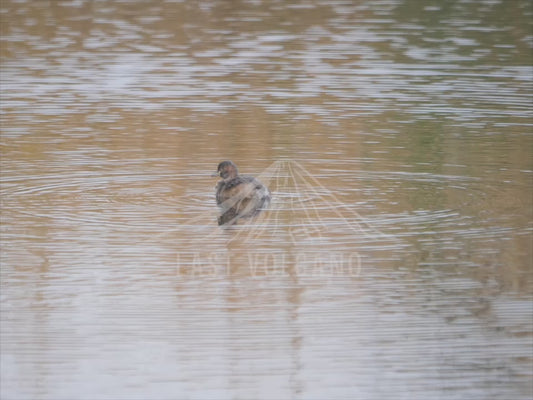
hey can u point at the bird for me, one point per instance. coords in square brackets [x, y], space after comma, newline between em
[238, 196]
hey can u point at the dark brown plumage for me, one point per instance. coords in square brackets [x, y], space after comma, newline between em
[239, 196]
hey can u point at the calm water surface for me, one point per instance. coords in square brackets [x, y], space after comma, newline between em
[394, 262]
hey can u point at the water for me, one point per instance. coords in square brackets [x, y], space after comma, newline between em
[395, 260]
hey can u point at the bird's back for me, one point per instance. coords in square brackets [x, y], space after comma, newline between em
[242, 196]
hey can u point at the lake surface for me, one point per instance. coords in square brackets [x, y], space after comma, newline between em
[394, 262]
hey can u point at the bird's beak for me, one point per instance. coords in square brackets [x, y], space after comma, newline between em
[215, 174]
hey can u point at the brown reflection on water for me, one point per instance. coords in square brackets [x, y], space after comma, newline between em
[395, 260]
